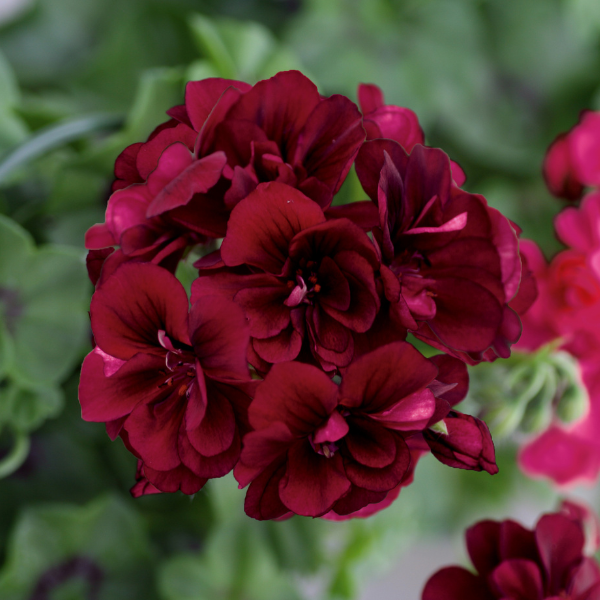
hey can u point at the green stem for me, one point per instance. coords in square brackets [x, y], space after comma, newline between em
[16, 457]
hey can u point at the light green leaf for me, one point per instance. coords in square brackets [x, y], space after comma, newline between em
[11, 94]
[16, 456]
[53, 137]
[25, 408]
[16, 247]
[210, 42]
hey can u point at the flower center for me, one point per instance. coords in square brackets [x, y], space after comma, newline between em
[305, 285]
[181, 367]
[326, 449]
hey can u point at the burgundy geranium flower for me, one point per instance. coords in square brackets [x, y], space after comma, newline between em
[157, 220]
[297, 276]
[394, 123]
[175, 386]
[450, 263]
[515, 563]
[280, 130]
[319, 449]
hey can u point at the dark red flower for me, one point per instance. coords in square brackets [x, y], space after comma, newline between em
[394, 123]
[518, 564]
[305, 278]
[319, 449]
[174, 386]
[450, 263]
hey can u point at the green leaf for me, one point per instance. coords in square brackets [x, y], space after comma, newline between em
[53, 137]
[25, 408]
[11, 94]
[51, 330]
[106, 532]
[16, 248]
[210, 42]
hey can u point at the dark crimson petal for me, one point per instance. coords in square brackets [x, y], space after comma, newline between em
[219, 336]
[518, 579]
[197, 177]
[150, 153]
[279, 348]
[262, 226]
[330, 140]
[370, 444]
[395, 123]
[451, 371]
[370, 97]
[370, 161]
[98, 237]
[106, 398]
[362, 213]
[297, 394]
[312, 483]
[592, 594]
[262, 498]
[281, 106]
[94, 262]
[261, 449]
[217, 429]
[125, 165]
[517, 542]
[528, 289]
[142, 487]
[332, 238]
[428, 174]
[467, 314]
[133, 305]
[153, 430]
[201, 97]
[179, 113]
[180, 478]
[264, 305]
[335, 291]
[456, 583]
[375, 383]
[364, 300]
[483, 545]
[203, 466]
[328, 333]
[242, 183]
[356, 499]
[468, 444]
[380, 479]
[560, 543]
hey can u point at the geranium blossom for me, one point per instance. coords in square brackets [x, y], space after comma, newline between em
[517, 563]
[316, 447]
[450, 263]
[305, 278]
[174, 386]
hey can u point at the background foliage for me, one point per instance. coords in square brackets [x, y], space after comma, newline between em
[493, 81]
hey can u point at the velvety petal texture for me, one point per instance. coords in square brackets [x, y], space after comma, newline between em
[173, 383]
[321, 449]
[515, 563]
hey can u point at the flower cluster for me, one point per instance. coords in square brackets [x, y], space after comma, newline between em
[567, 311]
[289, 363]
[550, 562]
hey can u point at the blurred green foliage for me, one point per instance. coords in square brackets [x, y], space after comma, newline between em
[492, 81]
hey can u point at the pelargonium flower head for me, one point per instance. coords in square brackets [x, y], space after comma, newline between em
[559, 170]
[173, 383]
[517, 563]
[320, 449]
[280, 129]
[299, 278]
[450, 263]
